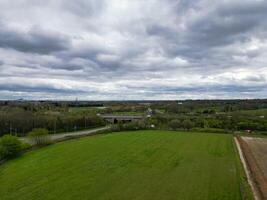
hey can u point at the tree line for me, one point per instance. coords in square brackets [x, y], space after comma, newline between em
[19, 121]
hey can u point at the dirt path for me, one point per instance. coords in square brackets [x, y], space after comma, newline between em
[255, 159]
[258, 147]
[247, 171]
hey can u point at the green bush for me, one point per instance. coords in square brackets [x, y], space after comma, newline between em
[134, 126]
[187, 124]
[39, 136]
[10, 146]
[25, 146]
[209, 130]
[175, 124]
[128, 126]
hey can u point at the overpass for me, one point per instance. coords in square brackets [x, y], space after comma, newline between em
[114, 119]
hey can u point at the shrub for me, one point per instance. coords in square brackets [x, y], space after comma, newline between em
[210, 130]
[25, 146]
[187, 124]
[128, 126]
[39, 136]
[10, 146]
[134, 126]
[174, 124]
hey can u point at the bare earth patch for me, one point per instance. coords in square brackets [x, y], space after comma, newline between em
[255, 155]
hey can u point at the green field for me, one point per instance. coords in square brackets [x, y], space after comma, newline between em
[258, 112]
[144, 165]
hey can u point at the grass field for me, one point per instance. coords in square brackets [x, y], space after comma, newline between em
[85, 109]
[257, 112]
[144, 165]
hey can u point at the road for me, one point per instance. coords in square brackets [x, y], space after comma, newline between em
[60, 136]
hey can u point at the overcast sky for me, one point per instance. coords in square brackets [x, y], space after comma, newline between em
[133, 49]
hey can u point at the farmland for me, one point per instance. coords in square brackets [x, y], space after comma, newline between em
[254, 150]
[228, 116]
[129, 165]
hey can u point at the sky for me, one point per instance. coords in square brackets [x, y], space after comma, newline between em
[133, 49]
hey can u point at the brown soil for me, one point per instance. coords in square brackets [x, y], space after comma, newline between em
[255, 155]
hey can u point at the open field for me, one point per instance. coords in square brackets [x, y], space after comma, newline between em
[258, 112]
[255, 152]
[85, 109]
[139, 165]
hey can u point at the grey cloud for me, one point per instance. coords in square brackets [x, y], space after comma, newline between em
[36, 40]
[216, 32]
[44, 89]
[222, 26]
[203, 89]
[244, 8]
[223, 23]
[72, 64]
[66, 66]
[255, 78]
[162, 31]
[84, 8]
[227, 23]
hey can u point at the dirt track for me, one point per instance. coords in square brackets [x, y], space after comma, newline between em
[255, 155]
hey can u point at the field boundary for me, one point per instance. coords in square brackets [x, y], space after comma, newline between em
[252, 170]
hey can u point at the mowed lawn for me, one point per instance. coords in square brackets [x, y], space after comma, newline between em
[142, 165]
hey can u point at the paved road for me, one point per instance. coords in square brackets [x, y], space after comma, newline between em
[65, 135]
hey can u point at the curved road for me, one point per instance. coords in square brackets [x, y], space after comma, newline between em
[65, 135]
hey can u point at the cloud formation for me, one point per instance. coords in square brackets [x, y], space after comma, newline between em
[99, 50]
[35, 40]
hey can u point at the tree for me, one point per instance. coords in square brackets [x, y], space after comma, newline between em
[173, 108]
[39, 136]
[175, 124]
[200, 122]
[10, 146]
[187, 124]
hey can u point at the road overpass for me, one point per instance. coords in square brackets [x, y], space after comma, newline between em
[114, 119]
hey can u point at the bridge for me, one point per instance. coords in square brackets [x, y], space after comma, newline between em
[114, 119]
